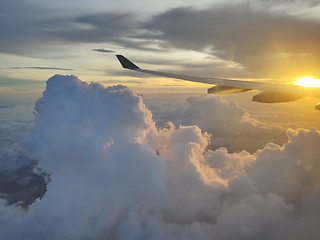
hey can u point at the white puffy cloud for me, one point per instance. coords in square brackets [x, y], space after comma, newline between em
[230, 125]
[115, 175]
[294, 167]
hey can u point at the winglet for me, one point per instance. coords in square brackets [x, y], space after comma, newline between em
[126, 63]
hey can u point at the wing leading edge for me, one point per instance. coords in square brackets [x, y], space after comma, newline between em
[271, 92]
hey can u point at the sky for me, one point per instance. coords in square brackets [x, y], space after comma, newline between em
[275, 41]
[89, 150]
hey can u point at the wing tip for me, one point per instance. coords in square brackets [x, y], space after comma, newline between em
[126, 63]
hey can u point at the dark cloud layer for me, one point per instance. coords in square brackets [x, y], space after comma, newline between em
[258, 40]
[44, 68]
[22, 185]
[111, 20]
[18, 181]
[102, 50]
[30, 30]
[102, 28]
[297, 3]
[25, 27]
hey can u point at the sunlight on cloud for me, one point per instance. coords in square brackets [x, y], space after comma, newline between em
[307, 82]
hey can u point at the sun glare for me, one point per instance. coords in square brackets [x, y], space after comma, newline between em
[307, 82]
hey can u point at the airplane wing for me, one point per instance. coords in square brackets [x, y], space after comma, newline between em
[272, 93]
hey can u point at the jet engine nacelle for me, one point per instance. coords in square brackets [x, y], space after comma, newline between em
[274, 97]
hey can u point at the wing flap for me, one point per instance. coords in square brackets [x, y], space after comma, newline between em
[222, 90]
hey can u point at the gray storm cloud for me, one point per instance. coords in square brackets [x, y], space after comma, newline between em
[116, 176]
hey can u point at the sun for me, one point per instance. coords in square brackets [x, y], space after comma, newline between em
[307, 82]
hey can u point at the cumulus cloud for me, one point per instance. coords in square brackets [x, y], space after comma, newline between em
[296, 168]
[230, 125]
[115, 175]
